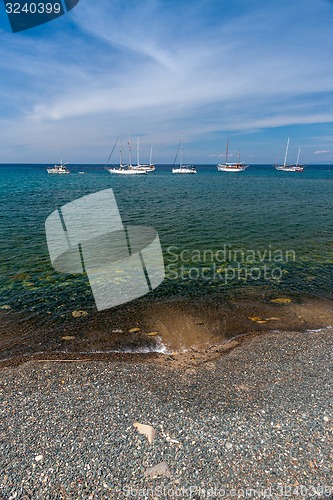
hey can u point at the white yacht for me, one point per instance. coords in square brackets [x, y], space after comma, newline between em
[182, 169]
[124, 169]
[59, 169]
[237, 166]
[296, 167]
[141, 166]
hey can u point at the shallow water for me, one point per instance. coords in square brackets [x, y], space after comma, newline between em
[255, 231]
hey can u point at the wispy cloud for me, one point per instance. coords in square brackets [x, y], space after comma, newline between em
[207, 68]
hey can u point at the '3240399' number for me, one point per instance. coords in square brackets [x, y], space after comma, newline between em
[33, 8]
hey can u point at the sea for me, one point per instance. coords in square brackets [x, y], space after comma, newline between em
[222, 234]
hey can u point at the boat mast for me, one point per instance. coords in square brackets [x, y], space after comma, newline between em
[115, 144]
[174, 162]
[130, 149]
[151, 156]
[121, 151]
[181, 152]
[299, 152]
[285, 156]
[138, 151]
[226, 151]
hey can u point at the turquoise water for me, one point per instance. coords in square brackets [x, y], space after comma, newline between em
[211, 226]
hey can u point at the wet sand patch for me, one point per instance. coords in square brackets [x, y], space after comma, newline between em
[181, 329]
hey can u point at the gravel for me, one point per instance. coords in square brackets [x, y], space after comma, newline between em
[255, 423]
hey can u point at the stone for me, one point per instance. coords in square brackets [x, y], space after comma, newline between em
[229, 345]
[190, 371]
[68, 337]
[6, 307]
[259, 320]
[281, 300]
[134, 330]
[147, 430]
[172, 440]
[79, 314]
[161, 469]
[38, 458]
[210, 365]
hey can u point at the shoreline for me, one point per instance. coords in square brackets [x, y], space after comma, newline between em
[173, 330]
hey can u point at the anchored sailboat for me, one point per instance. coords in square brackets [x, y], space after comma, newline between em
[231, 167]
[298, 166]
[140, 166]
[291, 167]
[123, 169]
[182, 169]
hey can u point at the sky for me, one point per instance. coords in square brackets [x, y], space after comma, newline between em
[255, 72]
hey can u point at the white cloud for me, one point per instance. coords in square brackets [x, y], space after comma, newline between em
[159, 71]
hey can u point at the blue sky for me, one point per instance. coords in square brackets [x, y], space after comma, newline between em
[253, 71]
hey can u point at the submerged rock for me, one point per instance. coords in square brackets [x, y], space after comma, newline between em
[255, 318]
[79, 314]
[281, 300]
[259, 320]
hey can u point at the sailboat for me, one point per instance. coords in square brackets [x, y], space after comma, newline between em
[231, 167]
[151, 164]
[182, 169]
[298, 166]
[291, 167]
[124, 169]
[140, 166]
[59, 169]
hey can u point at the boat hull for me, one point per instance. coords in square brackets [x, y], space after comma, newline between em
[118, 171]
[147, 168]
[231, 168]
[59, 169]
[51, 171]
[184, 171]
[289, 169]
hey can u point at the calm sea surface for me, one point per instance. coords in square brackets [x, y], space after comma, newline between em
[220, 232]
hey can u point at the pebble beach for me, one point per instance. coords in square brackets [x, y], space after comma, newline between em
[254, 421]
